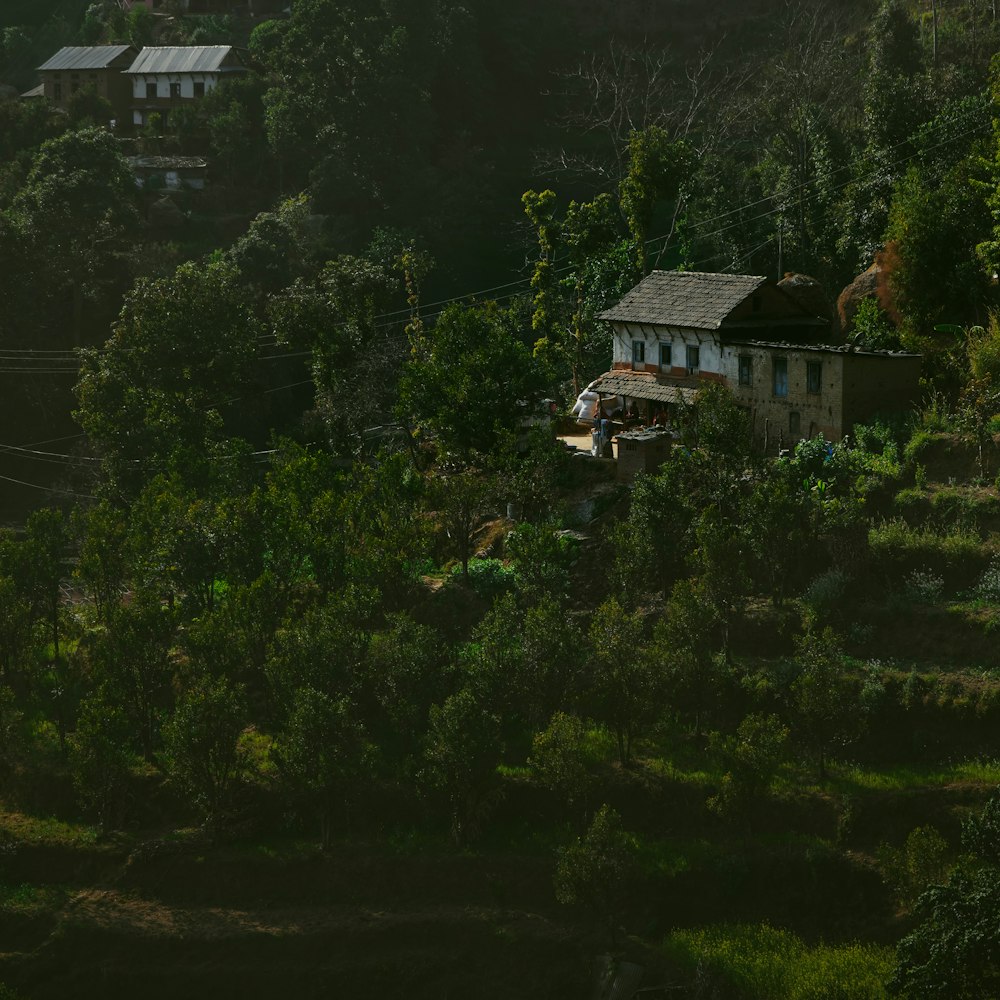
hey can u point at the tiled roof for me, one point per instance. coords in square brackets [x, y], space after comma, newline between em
[181, 59]
[684, 298]
[640, 385]
[81, 57]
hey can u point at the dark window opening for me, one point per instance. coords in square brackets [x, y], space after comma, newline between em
[814, 376]
[693, 359]
[780, 377]
[666, 355]
[199, 88]
[150, 89]
[175, 90]
[638, 352]
[794, 424]
[746, 369]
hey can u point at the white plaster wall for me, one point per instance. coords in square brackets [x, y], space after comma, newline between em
[710, 355]
[163, 81]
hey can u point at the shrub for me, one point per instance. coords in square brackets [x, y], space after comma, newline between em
[988, 587]
[487, 577]
[958, 557]
[827, 594]
[924, 587]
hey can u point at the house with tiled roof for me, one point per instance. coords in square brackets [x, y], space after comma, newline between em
[677, 330]
[99, 67]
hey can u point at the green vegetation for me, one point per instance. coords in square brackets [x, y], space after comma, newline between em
[763, 963]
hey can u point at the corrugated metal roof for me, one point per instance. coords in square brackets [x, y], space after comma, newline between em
[85, 57]
[38, 91]
[690, 299]
[639, 385]
[182, 59]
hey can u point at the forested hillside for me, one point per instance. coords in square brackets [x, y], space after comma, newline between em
[328, 669]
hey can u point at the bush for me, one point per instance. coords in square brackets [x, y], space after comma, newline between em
[924, 587]
[988, 587]
[488, 577]
[763, 963]
[828, 594]
[957, 557]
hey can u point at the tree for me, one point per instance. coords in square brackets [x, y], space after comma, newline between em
[626, 680]
[133, 662]
[101, 759]
[657, 168]
[202, 750]
[462, 754]
[825, 703]
[472, 383]
[752, 757]
[152, 397]
[952, 952]
[323, 754]
[46, 544]
[78, 204]
[558, 759]
[462, 500]
[594, 872]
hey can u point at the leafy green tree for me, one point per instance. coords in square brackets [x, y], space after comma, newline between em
[16, 627]
[132, 661]
[46, 543]
[462, 753]
[951, 953]
[323, 754]
[335, 317]
[826, 705]
[595, 871]
[87, 107]
[462, 499]
[558, 759]
[78, 204]
[656, 170]
[202, 748]
[541, 558]
[472, 382]
[918, 864]
[752, 757]
[405, 673]
[101, 759]
[182, 346]
[101, 561]
[552, 652]
[626, 681]
[935, 225]
[684, 645]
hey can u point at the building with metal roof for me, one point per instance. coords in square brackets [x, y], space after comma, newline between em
[187, 59]
[96, 67]
[165, 78]
[88, 57]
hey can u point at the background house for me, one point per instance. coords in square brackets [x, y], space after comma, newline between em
[77, 67]
[677, 330]
[168, 77]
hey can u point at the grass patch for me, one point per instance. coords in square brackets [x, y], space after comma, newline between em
[763, 963]
[47, 830]
[26, 899]
[851, 777]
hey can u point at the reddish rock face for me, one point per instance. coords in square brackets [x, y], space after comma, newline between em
[873, 283]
